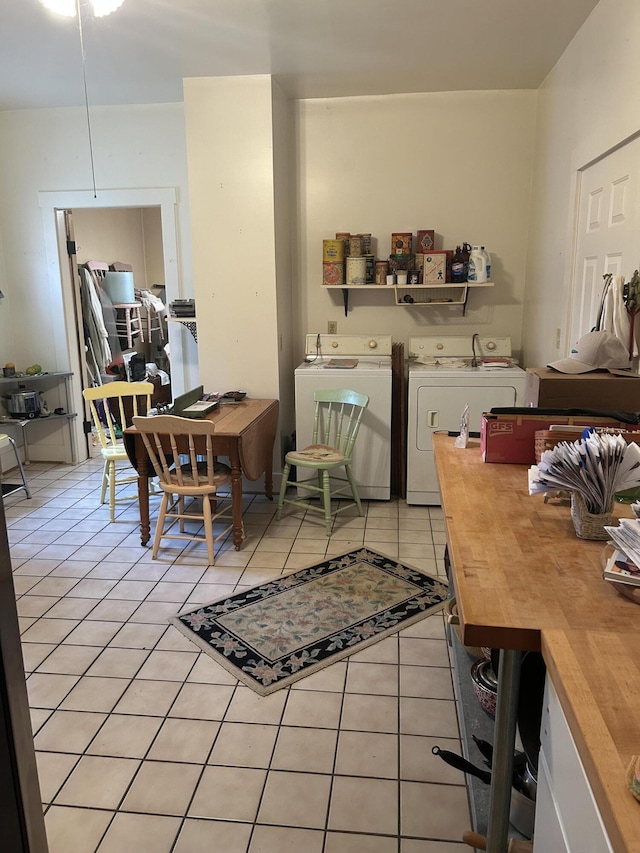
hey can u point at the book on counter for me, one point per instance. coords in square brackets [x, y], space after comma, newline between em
[620, 569]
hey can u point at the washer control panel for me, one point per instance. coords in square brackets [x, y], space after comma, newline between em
[348, 345]
[459, 346]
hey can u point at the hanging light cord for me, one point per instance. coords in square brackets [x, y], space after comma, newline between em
[86, 99]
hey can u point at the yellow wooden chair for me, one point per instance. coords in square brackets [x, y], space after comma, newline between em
[181, 452]
[337, 419]
[113, 406]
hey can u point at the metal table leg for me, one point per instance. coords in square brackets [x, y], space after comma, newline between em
[503, 749]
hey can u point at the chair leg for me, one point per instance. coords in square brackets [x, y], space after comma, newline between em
[283, 490]
[25, 485]
[326, 499]
[208, 528]
[181, 512]
[162, 513]
[354, 489]
[112, 491]
[105, 480]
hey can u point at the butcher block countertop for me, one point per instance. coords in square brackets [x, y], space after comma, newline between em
[525, 581]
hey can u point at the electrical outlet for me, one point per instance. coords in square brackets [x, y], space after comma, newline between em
[332, 327]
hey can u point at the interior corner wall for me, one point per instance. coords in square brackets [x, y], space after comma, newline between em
[587, 106]
[231, 191]
[457, 162]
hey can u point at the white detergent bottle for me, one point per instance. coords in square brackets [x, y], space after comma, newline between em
[487, 262]
[477, 266]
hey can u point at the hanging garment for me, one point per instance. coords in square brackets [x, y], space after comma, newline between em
[614, 317]
[94, 319]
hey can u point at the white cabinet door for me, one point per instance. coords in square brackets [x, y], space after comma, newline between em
[607, 231]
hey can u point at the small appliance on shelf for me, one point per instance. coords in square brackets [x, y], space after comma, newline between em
[183, 308]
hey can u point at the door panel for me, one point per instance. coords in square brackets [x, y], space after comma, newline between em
[607, 231]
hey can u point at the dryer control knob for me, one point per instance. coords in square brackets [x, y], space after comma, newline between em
[334, 344]
[491, 345]
[373, 344]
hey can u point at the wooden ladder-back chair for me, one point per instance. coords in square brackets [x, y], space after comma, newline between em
[337, 419]
[113, 406]
[181, 452]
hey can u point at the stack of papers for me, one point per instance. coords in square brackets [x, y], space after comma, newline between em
[598, 466]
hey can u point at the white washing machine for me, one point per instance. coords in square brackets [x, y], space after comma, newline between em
[371, 375]
[442, 380]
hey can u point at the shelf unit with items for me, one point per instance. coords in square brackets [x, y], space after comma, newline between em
[431, 295]
[417, 295]
[58, 384]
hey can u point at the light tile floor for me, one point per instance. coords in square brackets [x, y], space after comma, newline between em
[145, 744]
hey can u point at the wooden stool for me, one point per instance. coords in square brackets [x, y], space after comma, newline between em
[9, 488]
[129, 325]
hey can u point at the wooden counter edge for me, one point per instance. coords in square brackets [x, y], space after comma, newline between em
[619, 810]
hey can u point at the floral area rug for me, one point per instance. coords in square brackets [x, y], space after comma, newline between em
[275, 633]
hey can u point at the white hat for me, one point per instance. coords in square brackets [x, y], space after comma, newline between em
[595, 351]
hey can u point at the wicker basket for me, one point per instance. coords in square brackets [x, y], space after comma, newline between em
[547, 439]
[589, 525]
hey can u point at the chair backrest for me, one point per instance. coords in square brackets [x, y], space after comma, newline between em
[337, 418]
[176, 447]
[114, 405]
[119, 266]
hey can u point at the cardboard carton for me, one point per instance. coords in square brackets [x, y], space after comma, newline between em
[548, 389]
[511, 438]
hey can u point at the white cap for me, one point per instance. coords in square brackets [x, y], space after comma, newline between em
[595, 351]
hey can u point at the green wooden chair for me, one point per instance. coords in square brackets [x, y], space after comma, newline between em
[337, 419]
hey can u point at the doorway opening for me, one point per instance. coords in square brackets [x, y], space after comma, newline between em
[155, 253]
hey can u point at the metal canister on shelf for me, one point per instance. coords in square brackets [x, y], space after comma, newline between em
[382, 271]
[401, 262]
[425, 241]
[333, 251]
[345, 237]
[413, 277]
[365, 241]
[356, 270]
[401, 242]
[355, 246]
[370, 269]
[333, 273]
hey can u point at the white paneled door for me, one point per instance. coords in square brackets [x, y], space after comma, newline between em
[607, 239]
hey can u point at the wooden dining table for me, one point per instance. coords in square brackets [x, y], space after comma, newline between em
[244, 433]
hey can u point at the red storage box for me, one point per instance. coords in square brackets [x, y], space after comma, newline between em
[511, 438]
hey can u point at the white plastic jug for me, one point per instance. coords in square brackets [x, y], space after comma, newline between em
[477, 266]
[487, 262]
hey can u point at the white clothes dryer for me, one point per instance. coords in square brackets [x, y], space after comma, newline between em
[445, 374]
[329, 364]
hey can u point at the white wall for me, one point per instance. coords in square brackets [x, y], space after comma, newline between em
[458, 162]
[111, 234]
[588, 104]
[229, 130]
[139, 146]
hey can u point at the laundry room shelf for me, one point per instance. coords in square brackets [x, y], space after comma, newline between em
[426, 295]
[416, 295]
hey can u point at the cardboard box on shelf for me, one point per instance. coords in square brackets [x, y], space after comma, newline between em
[547, 388]
[510, 438]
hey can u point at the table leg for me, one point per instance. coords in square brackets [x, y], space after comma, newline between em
[503, 749]
[236, 502]
[143, 491]
[268, 476]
